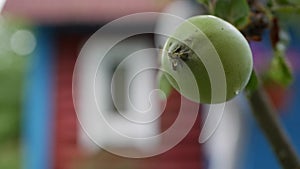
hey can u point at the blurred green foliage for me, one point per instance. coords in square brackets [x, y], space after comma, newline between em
[235, 11]
[12, 70]
[280, 70]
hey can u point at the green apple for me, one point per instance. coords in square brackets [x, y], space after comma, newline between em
[210, 48]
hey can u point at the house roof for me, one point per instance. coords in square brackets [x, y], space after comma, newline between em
[90, 11]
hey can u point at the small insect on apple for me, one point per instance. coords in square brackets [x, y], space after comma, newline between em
[203, 38]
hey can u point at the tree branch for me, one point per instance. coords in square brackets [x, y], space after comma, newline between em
[267, 119]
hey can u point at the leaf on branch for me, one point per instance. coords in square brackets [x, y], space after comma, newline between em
[287, 2]
[253, 83]
[294, 2]
[164, 85]
[280, 70]
[281, 10]
[205, 2]
[286, 7]
[282, 2]
[235, 11]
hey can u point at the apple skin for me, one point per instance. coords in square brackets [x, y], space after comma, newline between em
[205, 38]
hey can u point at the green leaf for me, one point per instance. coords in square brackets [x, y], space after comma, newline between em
[280, 71]
[295, 2]
[288, 9]
[205, 2]
[282, 2]
[164, 85]
[287, 2]
[253, 83]
[234, 11]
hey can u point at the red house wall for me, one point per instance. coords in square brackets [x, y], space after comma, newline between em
[187, 154]
[65, 140]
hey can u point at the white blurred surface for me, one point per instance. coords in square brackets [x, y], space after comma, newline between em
[105, 124]
[2, 2]
[224, 148]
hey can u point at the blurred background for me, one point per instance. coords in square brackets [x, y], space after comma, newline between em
[39, 43]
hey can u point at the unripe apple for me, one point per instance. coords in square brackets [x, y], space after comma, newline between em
[197, 44]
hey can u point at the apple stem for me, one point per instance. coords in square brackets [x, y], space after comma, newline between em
[268, 120]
